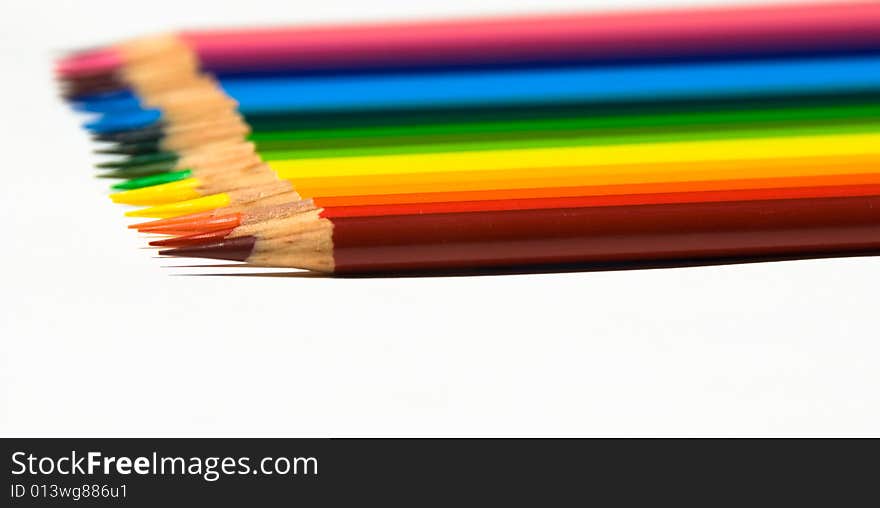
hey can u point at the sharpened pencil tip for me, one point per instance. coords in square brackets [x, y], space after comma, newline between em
[213, 223]
[153, 180]
[145, 148]
[236, 249]
[157, 161]
[89, 63]
[192, 240]
[115, 164]
[151, 134]
[159, 225]
[159, 193]
[177, 209]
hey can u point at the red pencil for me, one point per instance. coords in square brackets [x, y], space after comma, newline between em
[687, 231]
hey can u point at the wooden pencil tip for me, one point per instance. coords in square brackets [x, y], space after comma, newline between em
[235, 249]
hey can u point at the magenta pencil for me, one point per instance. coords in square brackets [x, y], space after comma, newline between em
[778, 29]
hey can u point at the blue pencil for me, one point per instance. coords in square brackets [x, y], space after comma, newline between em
[278, 95]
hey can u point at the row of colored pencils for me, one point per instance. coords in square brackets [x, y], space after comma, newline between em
[699, 134]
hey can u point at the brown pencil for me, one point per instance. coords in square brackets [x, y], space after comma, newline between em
[392, 243]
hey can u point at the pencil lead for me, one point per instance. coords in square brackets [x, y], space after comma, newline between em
[129, 173]
[165, 211]
[235, 249]
[137, 161]
[152, 133]
[106, 97]
[89, 63]
[80, 90]
[115, 106]
[153, 180]
[171, 192]
[129, 149]
[123, 122]
[197, 223]
[160, 224]
[109, 164]
[211, 223]
[193, 240]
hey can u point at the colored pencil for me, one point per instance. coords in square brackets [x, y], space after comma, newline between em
[161, 134]
[264, 221]
[688, 134]
[395, 243]
[584, 165]
[531, 87]
[614, 37]
[159, 170]
[281, 204]
[518, 133]
[460, 186]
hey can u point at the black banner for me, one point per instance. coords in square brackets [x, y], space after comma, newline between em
[330, 472]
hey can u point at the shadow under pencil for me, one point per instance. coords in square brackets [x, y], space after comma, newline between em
[525, 270]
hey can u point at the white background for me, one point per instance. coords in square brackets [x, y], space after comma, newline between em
[100, 338]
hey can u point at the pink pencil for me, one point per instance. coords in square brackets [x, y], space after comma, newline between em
[662, 34]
